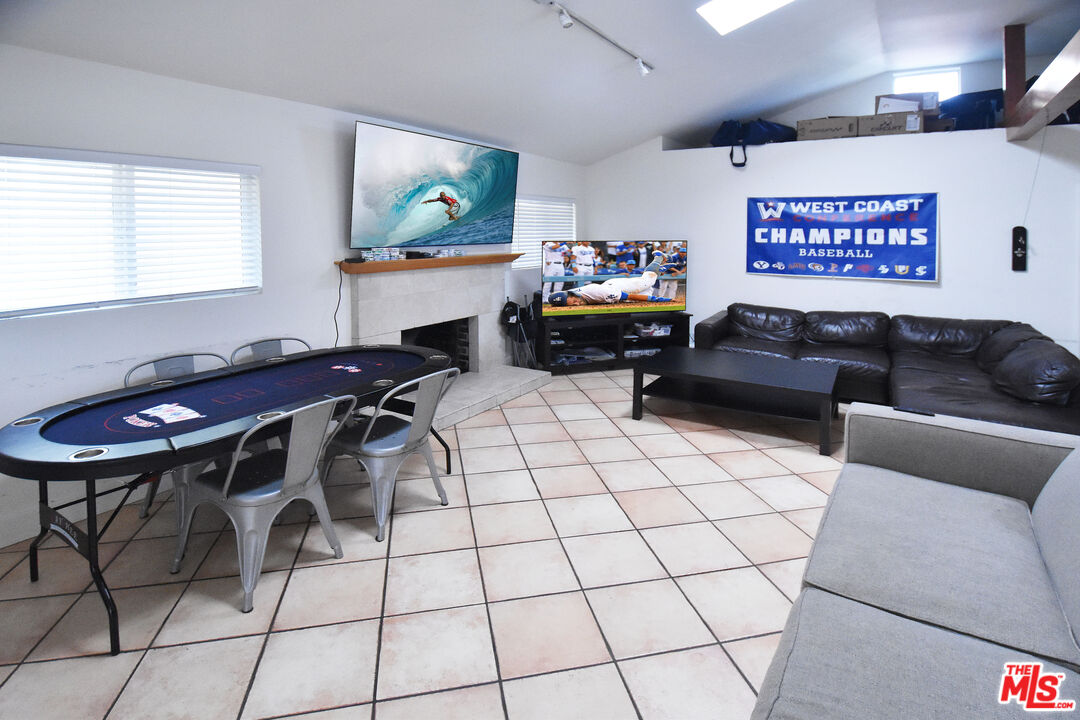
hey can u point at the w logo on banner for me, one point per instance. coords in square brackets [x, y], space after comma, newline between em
[770, 210]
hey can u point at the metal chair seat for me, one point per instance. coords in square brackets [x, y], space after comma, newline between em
[388, 435]
[257, 479]
[255, 488]
[382, 442]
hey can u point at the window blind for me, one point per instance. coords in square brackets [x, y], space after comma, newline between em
[538, 220]
[81, 230]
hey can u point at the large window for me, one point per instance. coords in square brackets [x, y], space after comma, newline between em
[538, 220]
[82, 230]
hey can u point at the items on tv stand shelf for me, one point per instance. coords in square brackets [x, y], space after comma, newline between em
[581, 343]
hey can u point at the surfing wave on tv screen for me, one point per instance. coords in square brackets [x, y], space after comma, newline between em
[398, 178]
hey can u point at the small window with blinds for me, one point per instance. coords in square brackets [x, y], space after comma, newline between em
[538, 220]
[81, 230]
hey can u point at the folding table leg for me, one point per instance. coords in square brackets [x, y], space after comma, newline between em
[95, 571]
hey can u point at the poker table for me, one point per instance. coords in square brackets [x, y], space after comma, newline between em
[149, 429]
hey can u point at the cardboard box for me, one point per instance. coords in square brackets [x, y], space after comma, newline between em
[828, 127]
[936, 124]
[891, 123]
[906, 102]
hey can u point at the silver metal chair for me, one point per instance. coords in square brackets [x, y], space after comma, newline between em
[268, 348]
[163, 371]
[254, 489]
[382, 442]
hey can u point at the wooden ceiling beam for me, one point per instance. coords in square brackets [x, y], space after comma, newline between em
[1056, 90]
[1015, 70]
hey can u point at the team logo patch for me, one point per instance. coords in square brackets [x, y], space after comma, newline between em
[171, 413]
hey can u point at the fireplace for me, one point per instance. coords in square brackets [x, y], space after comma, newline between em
[452, 337]
[388, 306]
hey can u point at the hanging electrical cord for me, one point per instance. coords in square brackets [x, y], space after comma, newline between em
[340, 280]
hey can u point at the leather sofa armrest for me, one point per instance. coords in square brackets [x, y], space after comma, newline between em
[1003, 459]
[711, 330]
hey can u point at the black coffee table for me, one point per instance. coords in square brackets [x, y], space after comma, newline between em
[772, 386]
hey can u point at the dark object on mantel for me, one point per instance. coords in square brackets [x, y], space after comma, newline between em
[356, 260]
[417, 254]
[994, 370]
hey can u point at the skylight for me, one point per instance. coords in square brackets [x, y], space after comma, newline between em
[728, 15]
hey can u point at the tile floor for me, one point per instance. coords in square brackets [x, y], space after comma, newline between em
[588, 566]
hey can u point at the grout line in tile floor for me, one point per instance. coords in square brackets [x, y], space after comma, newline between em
[592, 610]
[717, 422]
[487, 605]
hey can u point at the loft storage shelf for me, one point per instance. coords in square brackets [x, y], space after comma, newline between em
[424, 263]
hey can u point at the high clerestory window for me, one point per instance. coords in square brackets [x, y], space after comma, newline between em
[82, 230]
[945, 82]
[538, 220]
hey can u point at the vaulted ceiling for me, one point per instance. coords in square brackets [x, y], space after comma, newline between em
[506, 72]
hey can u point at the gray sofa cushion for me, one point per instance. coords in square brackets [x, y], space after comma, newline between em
[758, 346]
[952, 556]
[1056, 520]
[841, 660]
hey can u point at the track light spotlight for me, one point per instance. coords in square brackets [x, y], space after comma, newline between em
[568, 21]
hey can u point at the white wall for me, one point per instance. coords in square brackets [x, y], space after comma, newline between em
[305, 153]
[983, 184]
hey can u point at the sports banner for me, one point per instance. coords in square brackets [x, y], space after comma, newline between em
[864, 237]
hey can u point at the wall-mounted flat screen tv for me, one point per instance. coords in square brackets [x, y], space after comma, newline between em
[411, 189]
[587, 278]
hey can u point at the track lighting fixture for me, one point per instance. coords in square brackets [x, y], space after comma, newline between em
[567, 20]
[564, 17]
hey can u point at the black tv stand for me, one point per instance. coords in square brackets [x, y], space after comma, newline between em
[615, 334]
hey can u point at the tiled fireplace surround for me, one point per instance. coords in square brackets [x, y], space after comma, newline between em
[385, 303]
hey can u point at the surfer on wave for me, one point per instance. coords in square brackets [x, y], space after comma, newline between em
[452, 205]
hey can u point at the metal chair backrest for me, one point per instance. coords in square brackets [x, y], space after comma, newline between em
[263, 349]
[308, 437]
[429, 391]
[173, 366]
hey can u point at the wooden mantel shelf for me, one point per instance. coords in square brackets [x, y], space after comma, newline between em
[425, 263]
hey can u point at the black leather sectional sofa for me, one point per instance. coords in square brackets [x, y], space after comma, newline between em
[994, 370]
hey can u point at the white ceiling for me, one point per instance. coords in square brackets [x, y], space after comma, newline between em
[505, 72]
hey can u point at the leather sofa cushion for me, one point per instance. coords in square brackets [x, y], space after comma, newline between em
[976, 397]
[766, 323]
[757, 346]
[946, 364]
[848, 328]
[852, 361]
[951, 556]
[940, 336]
[1039, 370]
[994, 348]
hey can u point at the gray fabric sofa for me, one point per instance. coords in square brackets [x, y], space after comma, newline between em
[948, 548]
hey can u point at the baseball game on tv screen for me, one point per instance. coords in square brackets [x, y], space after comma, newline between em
[587, 278]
